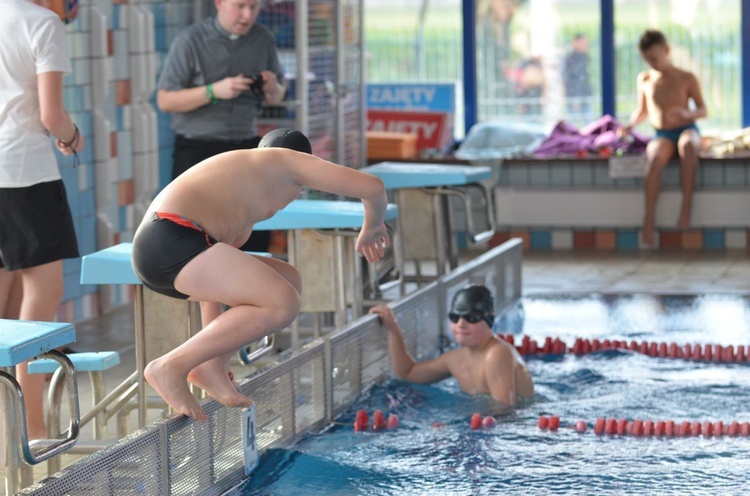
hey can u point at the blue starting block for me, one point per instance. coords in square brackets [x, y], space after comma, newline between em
[423, 191]
[95, 361]
[21, 341]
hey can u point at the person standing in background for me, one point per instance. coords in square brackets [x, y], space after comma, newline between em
[577, 77]
[36, 224]
[217, 74]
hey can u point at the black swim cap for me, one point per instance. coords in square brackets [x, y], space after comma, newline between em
[475, 299]
[286, 138]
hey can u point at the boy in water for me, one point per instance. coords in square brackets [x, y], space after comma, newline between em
[188, 247]
[483, 364]
[664, 94]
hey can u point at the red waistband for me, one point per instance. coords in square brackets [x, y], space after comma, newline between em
[182, 221]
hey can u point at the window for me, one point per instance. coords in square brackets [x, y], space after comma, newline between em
[704, 36]
[538, 60]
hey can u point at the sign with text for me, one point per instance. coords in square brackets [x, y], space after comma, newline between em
[250, 439]
[431, 97]
[434, 129]
[427, 109]
[628, 166]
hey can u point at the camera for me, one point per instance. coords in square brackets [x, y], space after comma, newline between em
[256, 86]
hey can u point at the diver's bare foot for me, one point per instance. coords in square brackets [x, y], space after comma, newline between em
[648, 236]
[683, 222]
[173, 388]
[212, 377]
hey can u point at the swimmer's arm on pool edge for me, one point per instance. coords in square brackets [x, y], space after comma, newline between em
[404, 366]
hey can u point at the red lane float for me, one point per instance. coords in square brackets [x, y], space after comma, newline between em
[582, 346]
[554, 423]
[660, 429]
[610, 426]
[476, 421]
[543, 422]
[392, 421]
[362, 423]
[488, 421]
[599, 426]
[733, 429]
[378, 420]
[651, 428]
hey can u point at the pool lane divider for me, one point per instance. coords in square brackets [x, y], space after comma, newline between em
[478, 422]
[699, 353]
[379, 421]
[651, 428]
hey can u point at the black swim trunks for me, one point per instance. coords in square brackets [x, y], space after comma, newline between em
[163, 244]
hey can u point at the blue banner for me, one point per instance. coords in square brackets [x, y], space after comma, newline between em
[432, 97]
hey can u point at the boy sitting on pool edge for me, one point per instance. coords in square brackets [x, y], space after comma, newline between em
[484, 364]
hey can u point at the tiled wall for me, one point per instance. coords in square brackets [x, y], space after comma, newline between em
[605, 213]
[116, 48]
[712, 173]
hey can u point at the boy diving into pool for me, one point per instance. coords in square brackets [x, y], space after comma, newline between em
[483, 364]
[664, 94]
[188, 247]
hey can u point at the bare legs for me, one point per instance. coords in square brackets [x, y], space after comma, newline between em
[42, 292]
[658, 154]
[213, 375]
[688, 147]
[10, 306]
[264, 297]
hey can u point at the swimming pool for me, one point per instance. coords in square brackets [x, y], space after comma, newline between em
[515, 456]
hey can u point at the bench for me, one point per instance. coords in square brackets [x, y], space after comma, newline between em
[21, 341]
[570, 203]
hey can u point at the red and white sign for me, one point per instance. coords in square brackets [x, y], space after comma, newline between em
[434, 129]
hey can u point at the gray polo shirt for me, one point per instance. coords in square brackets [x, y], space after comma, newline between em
[205, 53]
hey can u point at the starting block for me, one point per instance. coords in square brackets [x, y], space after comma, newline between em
[21, 341]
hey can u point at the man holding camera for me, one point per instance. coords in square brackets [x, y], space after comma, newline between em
[218, 73]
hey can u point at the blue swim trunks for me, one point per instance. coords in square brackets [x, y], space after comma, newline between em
[673, 134]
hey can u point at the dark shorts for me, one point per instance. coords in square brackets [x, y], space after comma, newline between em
[36, 226]
[163, 244]
[188, 152]
[673, 134]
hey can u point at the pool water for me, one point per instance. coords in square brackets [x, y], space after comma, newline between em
[515, 456]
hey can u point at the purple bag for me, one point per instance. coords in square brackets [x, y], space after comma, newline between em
[566, 139]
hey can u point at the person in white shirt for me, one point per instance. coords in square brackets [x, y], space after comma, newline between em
[36, 225]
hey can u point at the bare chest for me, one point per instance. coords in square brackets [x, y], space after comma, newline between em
[666, 90]
[470, 377]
